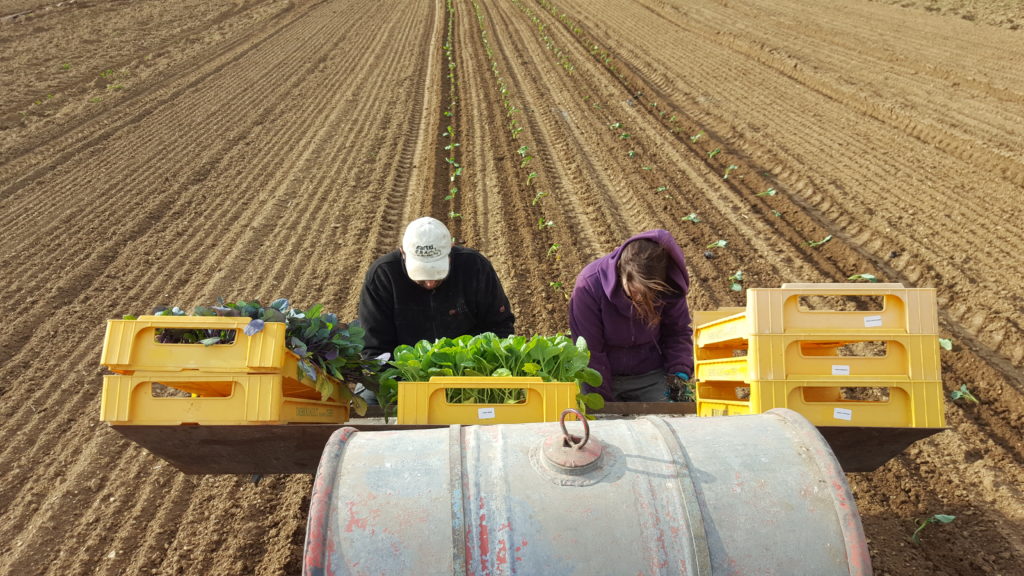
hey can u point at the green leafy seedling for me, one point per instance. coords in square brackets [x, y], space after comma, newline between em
[631, 153]
[963, 392]
[691, 217]
[728, 170]
[868, 277]
[768, 192]
[776, 213]
[661, 189]
[714, 152]
[625, 136]
[815, 244]
[615, 126]
[553, 250]
[718, 244]
[736, 281]
[921, 524]
[451, 194]
[542, 223]
[559, 287]
[454, 215]
[696, 137]
[946, 343]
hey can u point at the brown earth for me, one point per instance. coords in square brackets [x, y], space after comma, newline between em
[174, 152]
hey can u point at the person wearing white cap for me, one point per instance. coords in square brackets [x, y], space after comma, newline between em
[430, 289]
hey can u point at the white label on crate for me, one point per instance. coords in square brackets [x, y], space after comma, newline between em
[872, 321]
[842, 414]
[485, 413]
[840, 370]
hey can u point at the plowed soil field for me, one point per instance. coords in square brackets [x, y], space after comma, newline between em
[157, 152]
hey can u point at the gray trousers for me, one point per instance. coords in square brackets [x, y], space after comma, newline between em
[649, 387]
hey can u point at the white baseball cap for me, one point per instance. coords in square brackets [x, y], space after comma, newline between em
[427, 244]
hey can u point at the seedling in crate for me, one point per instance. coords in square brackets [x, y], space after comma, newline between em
[963, 392]
[736, 281]
[692, 217]
[921, 524]
[815, 244]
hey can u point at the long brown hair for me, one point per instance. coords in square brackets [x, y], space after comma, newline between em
[643, 271]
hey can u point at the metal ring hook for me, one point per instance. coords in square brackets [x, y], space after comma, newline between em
[569, 438]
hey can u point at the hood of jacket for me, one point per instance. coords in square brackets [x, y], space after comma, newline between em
[608, 275]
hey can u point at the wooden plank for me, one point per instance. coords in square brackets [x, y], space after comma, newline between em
[864, 448]
[296, 448]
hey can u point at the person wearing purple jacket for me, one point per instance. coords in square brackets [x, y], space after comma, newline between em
[630, 307]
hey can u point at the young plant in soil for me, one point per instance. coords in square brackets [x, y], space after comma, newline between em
[963, 392]
[867, 277]
[816, 243]
[922, 524]
[736, 281]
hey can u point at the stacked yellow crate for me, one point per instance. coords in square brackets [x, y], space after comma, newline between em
[837, 367]
[251, 380]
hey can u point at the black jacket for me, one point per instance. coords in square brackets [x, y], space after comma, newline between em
[395, 310]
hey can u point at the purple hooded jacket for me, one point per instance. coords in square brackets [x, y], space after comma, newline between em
[620, 342]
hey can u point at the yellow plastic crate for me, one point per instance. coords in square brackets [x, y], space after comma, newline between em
[778, 311]
[910, 404]
[425, 403]
[226, 399]
[799, 357]
[130, 346]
